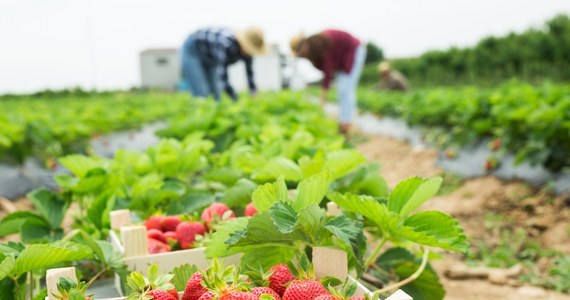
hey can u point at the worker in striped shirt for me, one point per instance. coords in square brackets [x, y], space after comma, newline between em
[207, 54]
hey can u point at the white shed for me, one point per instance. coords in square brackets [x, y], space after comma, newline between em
[160, 68]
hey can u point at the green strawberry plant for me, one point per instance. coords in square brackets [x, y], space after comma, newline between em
[391, 219]
[285, 226]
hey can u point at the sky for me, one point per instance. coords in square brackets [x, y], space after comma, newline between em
[96, 43]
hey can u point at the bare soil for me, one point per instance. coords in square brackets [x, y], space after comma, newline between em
[546, 218]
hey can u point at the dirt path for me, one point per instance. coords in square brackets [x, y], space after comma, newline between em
[470, 203]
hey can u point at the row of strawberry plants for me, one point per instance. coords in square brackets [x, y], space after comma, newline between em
[250, 152]
[531, 121]
[49, 128]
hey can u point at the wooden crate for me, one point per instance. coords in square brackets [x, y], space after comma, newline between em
[322, 258]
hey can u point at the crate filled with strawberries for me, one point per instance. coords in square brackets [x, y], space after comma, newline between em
[167, 240]
[292, 281]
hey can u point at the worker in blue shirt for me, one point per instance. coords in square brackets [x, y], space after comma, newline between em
[208, 52]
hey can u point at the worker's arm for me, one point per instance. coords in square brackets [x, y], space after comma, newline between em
[222, 69]
[249, 72]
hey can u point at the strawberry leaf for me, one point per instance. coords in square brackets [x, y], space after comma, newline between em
[41, 256]
[434, 228]
[264, 196]
[49, 205]
[389, 222]
[79, 165]
[279, 166]
[181, 275]
[7, 266]
[411, 193]
[312, 190]
[218, 245]
[342, 162]
[284, 217]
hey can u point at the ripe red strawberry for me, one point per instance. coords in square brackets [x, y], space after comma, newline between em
[156, 234]
[237, 295]
[160, 295]
[186, 233]
[169, 223]
[207, 296]
[258, 291]
[304, 290]
[170, 235]
[327, 297]
[250, 210]
[194, 288]
[153, 223]
[155, 246]
[216, 209]
[280, 277]
[174, 293]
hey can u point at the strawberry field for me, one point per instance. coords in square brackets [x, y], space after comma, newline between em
[238, 200]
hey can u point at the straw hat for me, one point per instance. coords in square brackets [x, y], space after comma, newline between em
[296, 43]
[384, 67]
[251, 41]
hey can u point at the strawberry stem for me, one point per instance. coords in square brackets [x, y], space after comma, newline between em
[374, 256]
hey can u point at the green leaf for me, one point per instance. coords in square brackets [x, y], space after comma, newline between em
[267, 256]
[437, 229]
[7, 266]
[36, 230]
[390, 223]
[367, 181]
[49, 205]
[411, 193]
[312, 190]
[261, 229]
[79, 165]
[264, 196]
[311, 219]
[342, 162]
[181, 275]
[284, 217]
[239, 194]
[403, 263]
[346, 230]
[278, 167]
[217, 247]
[12, 223]
[425, 287]
[98, 211]
[94, 180]
[42, 256]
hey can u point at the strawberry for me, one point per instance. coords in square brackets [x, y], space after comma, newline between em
[304, 290]
[194, 289]
[258, 291]
[156, 234]
[160, 295]
[250, 210]
[327, 297]
[153, 222]
[186, 233]
[207, 296]
[169, 223]
[216, 209]
[170, 235]
[237, 295]
[155, 246]
[280, 277]
[174, 293]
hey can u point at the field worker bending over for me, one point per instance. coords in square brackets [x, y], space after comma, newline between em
[207, 53]
[335, 52]
[392, 79]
